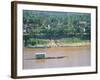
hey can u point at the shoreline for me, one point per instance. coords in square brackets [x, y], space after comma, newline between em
[64, 45]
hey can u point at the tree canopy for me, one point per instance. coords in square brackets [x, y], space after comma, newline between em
[56, 25]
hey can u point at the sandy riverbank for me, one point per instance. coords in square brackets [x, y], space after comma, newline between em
[52, 43]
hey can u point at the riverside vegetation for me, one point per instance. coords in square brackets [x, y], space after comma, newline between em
[54, 29]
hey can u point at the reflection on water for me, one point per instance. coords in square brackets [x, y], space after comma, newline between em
[74, 56]
[40, 61]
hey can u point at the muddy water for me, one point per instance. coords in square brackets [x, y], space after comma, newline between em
[74, 56]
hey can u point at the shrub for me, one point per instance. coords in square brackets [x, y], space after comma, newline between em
[37, 41]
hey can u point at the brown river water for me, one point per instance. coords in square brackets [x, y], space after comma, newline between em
[74, 57]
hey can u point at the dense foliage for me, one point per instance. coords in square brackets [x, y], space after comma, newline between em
[55, 25]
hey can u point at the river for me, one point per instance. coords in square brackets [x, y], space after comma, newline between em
[74, 57]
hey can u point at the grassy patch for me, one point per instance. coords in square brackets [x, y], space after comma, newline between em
[73, 40]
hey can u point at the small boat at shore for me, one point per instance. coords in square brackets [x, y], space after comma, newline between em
[38, 46]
